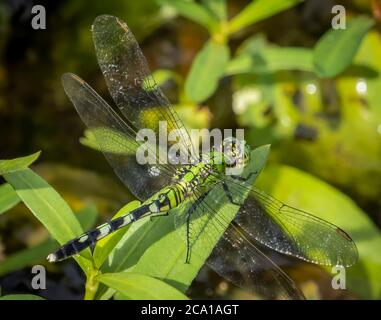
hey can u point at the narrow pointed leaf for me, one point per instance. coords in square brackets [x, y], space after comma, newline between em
[259, 10]
[49, 208]
[207, 68]
[39, 252]
[12, 165]
[194, 12]
[140, 287]
[87, 216]
[217, 8]
[336, 49]
[8, 198]
[272, 59]
[27, 257]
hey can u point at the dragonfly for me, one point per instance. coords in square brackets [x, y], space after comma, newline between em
[197, 192]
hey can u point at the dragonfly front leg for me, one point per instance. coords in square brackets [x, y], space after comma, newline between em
[243, 179]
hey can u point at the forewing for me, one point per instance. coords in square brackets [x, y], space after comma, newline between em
[116, 139]
[130, 82]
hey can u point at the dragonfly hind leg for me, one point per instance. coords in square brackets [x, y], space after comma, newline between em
[157, 215]
[187, 259]
[229, 195]
[188, 216]
[238, 178]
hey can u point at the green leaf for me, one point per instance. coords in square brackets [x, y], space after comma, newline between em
[288, 59]
[253, 45]
[259, 10]
[16, 164]
[155, 249]
[107, 244]
[140, 287]
[367, 56]
[87, 216]
[217, 8]
[255, 55]
[21, 297]
[8, 197]
[194, 12]
[305, 192]
[207, 68]
[336, 49]
[27, 257]
[161, 76]
[34, 255]
[49, 208]
[272, 59]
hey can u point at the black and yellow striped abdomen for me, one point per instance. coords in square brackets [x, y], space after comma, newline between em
[187, 179]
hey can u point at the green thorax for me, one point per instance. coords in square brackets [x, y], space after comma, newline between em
[188, 178]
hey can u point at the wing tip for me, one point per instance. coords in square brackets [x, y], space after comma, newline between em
[103, 20]
[354, 257]
[68, 76]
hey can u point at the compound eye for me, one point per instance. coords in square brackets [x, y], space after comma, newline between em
[234, 151]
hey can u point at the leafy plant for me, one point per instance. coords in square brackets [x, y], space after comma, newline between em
[130, 261]
[332, 55]
[336, 50]
[8, 198]
[129, 264]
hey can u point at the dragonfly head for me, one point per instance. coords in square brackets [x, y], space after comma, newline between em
[236, 152]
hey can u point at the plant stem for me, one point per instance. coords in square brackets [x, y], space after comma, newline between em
[91, 285]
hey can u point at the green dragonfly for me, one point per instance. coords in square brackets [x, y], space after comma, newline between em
[198, 191]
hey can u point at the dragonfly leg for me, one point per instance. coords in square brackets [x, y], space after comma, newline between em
[161, 214]
[229, 195]
[243, 179]
[188, 242]
[238, 178]
[188, 216]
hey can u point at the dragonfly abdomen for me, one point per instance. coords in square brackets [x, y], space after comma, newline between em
[163, 201]
[89, 238]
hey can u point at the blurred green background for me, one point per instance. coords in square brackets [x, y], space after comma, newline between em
[279, 76]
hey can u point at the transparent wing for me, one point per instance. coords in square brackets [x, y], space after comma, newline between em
[130, 82]
[201, 229]
[239, 260]
[291, 231]
[227, 250]
[116, 139]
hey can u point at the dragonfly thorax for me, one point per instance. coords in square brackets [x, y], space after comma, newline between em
[194, 176]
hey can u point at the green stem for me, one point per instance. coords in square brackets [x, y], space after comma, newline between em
[91, 285]
[221, 35]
